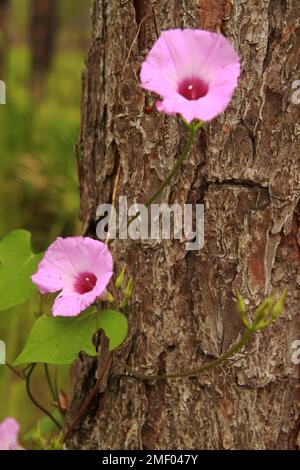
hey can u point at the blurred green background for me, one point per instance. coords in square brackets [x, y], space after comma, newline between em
[39, 126]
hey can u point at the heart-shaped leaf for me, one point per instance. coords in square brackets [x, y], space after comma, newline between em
[58, 340]
[17, 264]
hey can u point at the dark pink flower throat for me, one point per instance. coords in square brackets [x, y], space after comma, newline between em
[193, 88]
[85, 282]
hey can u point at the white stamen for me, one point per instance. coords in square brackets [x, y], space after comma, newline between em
[87, 279]
[190, 87]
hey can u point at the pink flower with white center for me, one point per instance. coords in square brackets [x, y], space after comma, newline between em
[194, 71]
[9, 430]
[80, 268]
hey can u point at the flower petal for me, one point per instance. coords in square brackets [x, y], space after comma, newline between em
[9, 430]
[183, 55]
[210, 51]
[58, 267]
[66, 258]
[95, 257]
[71, 304]
[158, 73]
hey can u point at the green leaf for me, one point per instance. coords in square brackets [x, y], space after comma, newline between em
[115, 326]
[17, 264]
[58, 340]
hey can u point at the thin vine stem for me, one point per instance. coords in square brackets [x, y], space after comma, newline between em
[194, 372]
[193, 128]
[49, 381]
[56, 382]
[34, 401]
[15, 371]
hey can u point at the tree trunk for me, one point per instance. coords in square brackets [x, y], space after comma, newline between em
[4, 4]
[245, 169]
[43, 28]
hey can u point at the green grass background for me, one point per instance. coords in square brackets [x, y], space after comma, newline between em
[38, 175]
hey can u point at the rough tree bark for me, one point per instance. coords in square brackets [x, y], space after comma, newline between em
[245, 169]
[42, 32]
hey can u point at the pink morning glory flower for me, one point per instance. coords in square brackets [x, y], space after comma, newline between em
[194, 71]
[9, 430]
[80, 268]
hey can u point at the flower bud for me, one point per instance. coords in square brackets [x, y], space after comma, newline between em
[241, 309]
[129, 289]
[120, 278]
[262, 316]
[279, 305]
[123, 303]
[106, 297]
